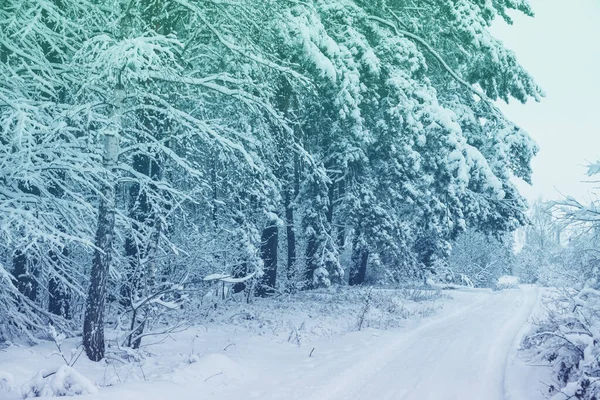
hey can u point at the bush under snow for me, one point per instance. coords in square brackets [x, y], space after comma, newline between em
[569, 341]
[507, 282]
[6, 383]
[66, 381]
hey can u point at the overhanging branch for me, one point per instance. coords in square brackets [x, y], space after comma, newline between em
[439, 58]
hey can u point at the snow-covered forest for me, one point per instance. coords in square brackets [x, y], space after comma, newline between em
[181, 179]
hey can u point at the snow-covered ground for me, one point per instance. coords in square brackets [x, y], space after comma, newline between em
[460, 345]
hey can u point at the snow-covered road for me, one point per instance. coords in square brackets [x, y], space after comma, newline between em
[466, 354]
[463, 348]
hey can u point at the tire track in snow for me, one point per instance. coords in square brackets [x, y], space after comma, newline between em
[348, 381]
[512, 355]
[462, 355]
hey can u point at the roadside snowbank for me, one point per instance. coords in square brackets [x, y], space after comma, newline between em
[233, 344]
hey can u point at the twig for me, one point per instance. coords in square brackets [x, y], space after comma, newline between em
[212, 376]
[229, 345]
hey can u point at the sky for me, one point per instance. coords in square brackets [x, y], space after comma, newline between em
[560, 47]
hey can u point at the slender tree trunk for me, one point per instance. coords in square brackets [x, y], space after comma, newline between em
[59, 294]
[268, 250]
[239, 272]
[141, 273]
[331, 205]
[59, 298]
[290, 234]
[23, 271]
[341, 229]
[358, 269]
[311, 265]
[290, 196]
[215, 191]
[25, 267]
[93, 323]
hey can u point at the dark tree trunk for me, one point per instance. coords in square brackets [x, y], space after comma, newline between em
[93, 322]
[341, 229]
[59, 294]
[311, 265]
[290, 234]
[140, 211]
[240, 272]
[330, 207]
[215, 191]
[59, 299]
[93, 325]
[268, 252]
[358, 269]
[25, 268]
[23, 271]
[290, 172]
[291, 195]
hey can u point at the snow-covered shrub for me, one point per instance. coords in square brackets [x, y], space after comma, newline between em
[365, 307]
[507, 282]
[6, 383]
[478, 260]
[418, 295]
[66, 381]
[569, 341]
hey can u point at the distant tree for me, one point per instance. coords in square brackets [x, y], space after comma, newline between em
[542, 243]
[479, 260]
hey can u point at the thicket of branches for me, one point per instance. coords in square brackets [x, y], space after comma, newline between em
[147, 143]
[564, 245]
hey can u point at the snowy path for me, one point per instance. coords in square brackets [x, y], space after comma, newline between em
[462, 355]
[465, 350]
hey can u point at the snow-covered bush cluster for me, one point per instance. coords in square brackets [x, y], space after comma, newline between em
[66, 381]
[478, 260]
[6, 383]
[150, 143]
[507, 282]
[569, 338]
[320, 312]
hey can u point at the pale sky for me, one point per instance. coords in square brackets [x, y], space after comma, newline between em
[560, 47]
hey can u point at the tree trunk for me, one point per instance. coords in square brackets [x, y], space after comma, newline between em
[331, 205]
[268, 252]
[59, 294]
[311, 265]
[140, 277]
[341, 229]
[59, 299]
[358, 269]
[25, 269]
[26, 281]
[240, 272]
[93, 323]
[215, 190]
[290, 234]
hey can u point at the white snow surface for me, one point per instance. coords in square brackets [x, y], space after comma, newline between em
[463, 345]
[507, 282]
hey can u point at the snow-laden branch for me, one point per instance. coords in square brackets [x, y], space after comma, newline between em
[237, 49]
[439, 58]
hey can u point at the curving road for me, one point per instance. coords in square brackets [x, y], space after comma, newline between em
[468, 354]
